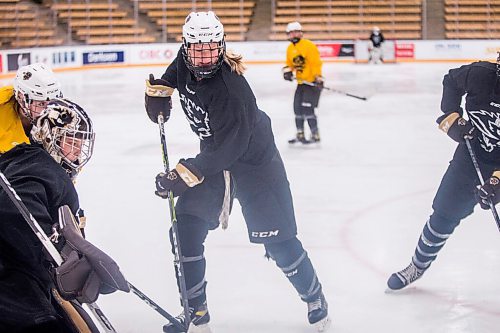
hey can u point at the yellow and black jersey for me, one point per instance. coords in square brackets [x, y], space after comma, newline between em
[11, 129]
[303, 58]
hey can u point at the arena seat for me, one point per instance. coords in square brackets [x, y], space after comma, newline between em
[349, 19]
[472, 19]
[235, 15]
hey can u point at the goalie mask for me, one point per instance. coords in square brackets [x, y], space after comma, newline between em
[66, 133]
[203, 44]
[34, 86]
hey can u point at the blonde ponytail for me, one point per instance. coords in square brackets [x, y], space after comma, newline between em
[235, 61]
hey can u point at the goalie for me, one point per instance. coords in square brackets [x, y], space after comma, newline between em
[35, 296]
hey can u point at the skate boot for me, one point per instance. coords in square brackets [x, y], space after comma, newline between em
[401, 279]
[317, 313]
[199, 321]
[300, 137]
[315, 137]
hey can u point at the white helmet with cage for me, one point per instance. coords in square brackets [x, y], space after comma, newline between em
[204, 44]
[35, 83]
[65, 131]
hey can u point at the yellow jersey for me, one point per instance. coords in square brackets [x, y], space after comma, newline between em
[303, 58]
[11, 129]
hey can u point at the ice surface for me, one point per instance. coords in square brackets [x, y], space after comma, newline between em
[361, 200]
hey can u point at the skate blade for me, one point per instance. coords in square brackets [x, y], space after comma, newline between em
[323, 325]
[203, 328]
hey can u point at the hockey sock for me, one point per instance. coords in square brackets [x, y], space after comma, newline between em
[432, 239]
[192, 233]
[291, 257]
[299, 122]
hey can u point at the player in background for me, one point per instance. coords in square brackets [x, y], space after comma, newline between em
[31, 299]
[458, 194]
[236, 145]
[34, 86]
[304, 64]
[375, 46]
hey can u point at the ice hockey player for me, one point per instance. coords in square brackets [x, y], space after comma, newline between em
[375, 46]
[34, 295]
[34, 86]
[304, 64]
[236, 137]
[455, 198]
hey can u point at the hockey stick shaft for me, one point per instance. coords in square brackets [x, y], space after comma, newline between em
[47, 244]
[336, 91]
[156, 307]
[481, 180]
[175, 231]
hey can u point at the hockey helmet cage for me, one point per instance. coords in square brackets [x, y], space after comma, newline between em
[293, 26]
[35, 82]
[205, 30]
[65, 131]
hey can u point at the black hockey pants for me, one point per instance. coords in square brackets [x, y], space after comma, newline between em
[306, 99]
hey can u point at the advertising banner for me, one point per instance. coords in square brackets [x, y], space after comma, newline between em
[103, 57]
[16, 60]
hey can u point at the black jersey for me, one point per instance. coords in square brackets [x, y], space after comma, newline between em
[377, 39]
[234, 134]
[480, 82]
[24, 280]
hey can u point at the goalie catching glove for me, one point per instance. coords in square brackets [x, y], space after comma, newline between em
[489, 191]
[158, 98]
[178, 180]
[456, 127]
[86, 271]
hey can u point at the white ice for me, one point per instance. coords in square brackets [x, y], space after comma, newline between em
[361, 200]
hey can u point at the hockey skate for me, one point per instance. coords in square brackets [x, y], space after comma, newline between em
[401, 279]
[315, 137]
[317, 313]
[299, 138]
[199, 321]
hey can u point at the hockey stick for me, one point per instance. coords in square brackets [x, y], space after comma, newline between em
[47, 244]
[481, 180]
[156, 307]
[335, 90]
[175, 232]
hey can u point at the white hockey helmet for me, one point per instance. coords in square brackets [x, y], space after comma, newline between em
[65, 131]
[293, 26]
[35, 82]
[376, 29]
[205, 29]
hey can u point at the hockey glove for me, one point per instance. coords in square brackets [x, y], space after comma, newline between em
[456, 127]
[319, 83]
[86, 271]
[158, 98]
[178, 180]
[489, 191]
[287, 73]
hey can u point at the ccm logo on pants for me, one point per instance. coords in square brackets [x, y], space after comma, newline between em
[265, 234]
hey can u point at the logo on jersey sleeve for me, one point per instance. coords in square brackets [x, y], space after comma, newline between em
[197, 117]
[488, 123]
